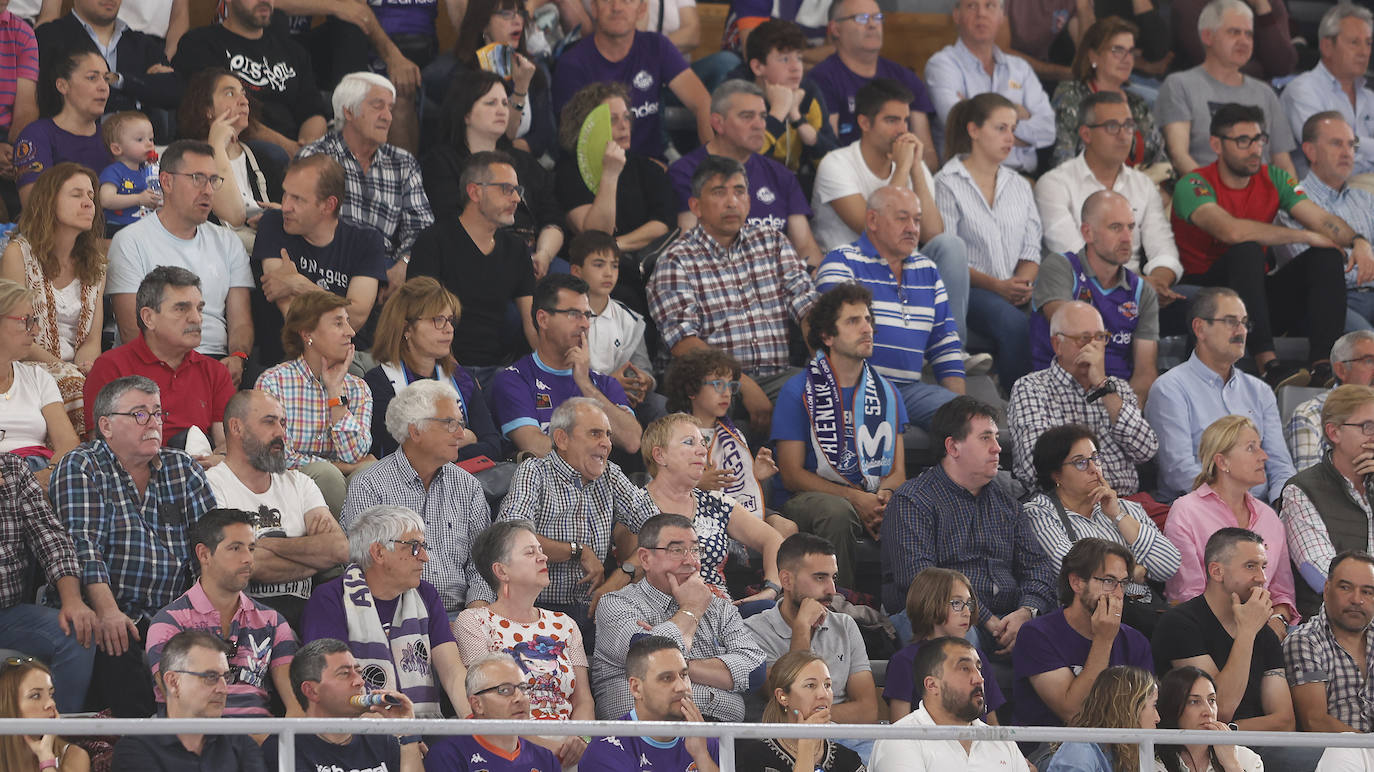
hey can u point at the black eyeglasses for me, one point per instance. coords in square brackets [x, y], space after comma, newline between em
[1110, 582]
[200, 180]
[506, 690]
[862, 18]
[959, 604]
[210, 677]
[1367, 361]
[573, 312]
[1244, 141]
[1230, 321]
[1114, 127]
[1081, 464]
[1366, 427]
[142, 417]
[415, 546]
[505, 187]
[439, 322]
[451, 425]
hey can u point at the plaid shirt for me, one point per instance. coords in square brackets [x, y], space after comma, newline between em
[135, 542]
[737, 299]
[29, 532]
[1303, 432]
[1309, 542]
[1051, 397]
[562, 507]
[1311, 655]
[455, 511]
[309, 435]
[388, 196]
[721, 635]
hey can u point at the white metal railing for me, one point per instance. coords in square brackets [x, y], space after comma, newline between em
[287, 728]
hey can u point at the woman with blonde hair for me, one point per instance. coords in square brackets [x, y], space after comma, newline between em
[58, 252]
[26, 691]
[1122, 697]
[1232, 463]
[799, 692]
[33, 423]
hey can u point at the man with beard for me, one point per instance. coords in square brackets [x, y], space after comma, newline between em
[262, 642]
[949, 682]
[497, 689]
[296, 535]
[1328, 658]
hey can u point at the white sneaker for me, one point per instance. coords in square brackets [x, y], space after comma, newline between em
[977, 364]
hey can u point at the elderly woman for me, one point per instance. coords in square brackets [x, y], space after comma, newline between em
[1075, 501]
[1232, 463]
[547, 644]
[216, 109]
[58, 253]
[424, 418]
[674, 451]
[504, 22]
[33, 422]
[393, 621]
[71, 98]
[328, 409]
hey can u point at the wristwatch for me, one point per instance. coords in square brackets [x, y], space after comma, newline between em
[576, 550]
[628, 568]
[339, 401]
[775, 587]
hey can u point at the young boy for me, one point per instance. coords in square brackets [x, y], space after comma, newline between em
[128, 135]
[616, 337]
[798, 130]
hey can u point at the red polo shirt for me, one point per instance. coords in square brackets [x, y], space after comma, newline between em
[195, 393]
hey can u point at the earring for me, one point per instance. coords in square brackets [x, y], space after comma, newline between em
[309, 342]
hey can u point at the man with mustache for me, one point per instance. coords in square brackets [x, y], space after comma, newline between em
[262, 641]
[296, 535]
[1328, 657]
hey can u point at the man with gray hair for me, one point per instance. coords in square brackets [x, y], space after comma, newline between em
[393, 620]
[579, 500]
[297, 536]
[170, 317]
[382, 181]
[129, 504]
[1276, 57]
[426, 420]
[738, 118]
[497, 689]
[1337, 83]
[1352, 361]
[1188, 98]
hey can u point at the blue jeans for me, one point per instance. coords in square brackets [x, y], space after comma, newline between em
[923, 399]
[714, 69]
[950, 256]
[1359, 310]
[1007, 327]
[34, 630]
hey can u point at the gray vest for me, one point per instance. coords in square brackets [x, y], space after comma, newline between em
[1346, 523]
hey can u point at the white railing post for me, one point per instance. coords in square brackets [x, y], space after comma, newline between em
[286, 750]
[727, 752]
[1147, 755]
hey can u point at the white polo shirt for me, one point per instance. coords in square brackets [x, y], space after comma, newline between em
[942, 755]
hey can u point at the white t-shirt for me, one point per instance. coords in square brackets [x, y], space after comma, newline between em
[615, 338]
[67, 309]
[843, 173]
[291, 495]
[28, 10]
[215, 254]
[21, 408]
[150, 17]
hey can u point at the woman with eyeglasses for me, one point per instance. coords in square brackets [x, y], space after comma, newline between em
[1076, 501]
[413, 341]
[33, 420]
[57, 251]
[799, 691]
[675, 453]
[546, 644]
[1232, 463]
[939, 603]
[26, 691]
[1103, 62]
[1188, 700]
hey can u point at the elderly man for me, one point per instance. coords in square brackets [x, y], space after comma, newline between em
[296, 536]
[1188, 99]
[722, 266]
[497, 689]
[1062, 191]
[1076, 388]
[382, 181]
[975, 65]
[738, 112]
[129, 504]
[325, 678]
[421, 475]
[578, 500]
[195, 678]
[1352, 361]
[1337, 83]
[180, 236]
[1328, 657]
[393, 620]
[672, 600]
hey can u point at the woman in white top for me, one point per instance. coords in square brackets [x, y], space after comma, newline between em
[1188, 700]
[57, 253]
[991, 207]
[33, 423]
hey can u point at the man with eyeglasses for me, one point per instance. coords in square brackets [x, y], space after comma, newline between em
[525, 394]
[672, 600]
[1337, 84]
[261, 643]
[975, 65]
[195, 679]
[499, 690]
[1328, 658]
[180, 236]
[1352, 361]
[422, 475]
[297, 536]
[305, 247]
[129, 504]
[1221, 218]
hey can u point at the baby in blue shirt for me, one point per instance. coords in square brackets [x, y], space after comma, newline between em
[124, 193]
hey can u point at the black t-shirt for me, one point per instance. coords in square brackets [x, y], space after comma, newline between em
[443, 166]
[490, 333]
[644, 192]
[364, 753]
[769, 755]
[274, 69]
[1190, 629]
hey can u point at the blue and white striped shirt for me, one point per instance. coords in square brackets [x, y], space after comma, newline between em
[911, 318]
[998, 236]
[1354, 205]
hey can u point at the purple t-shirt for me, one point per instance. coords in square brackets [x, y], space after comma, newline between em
[774, 193]
[461, 753]
[324, 616]
[1048, 643]
[901, 679]
[838, 84]
[631, 754]
[526, 393]
[406, 17]
[650, 66]
[42, 145]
